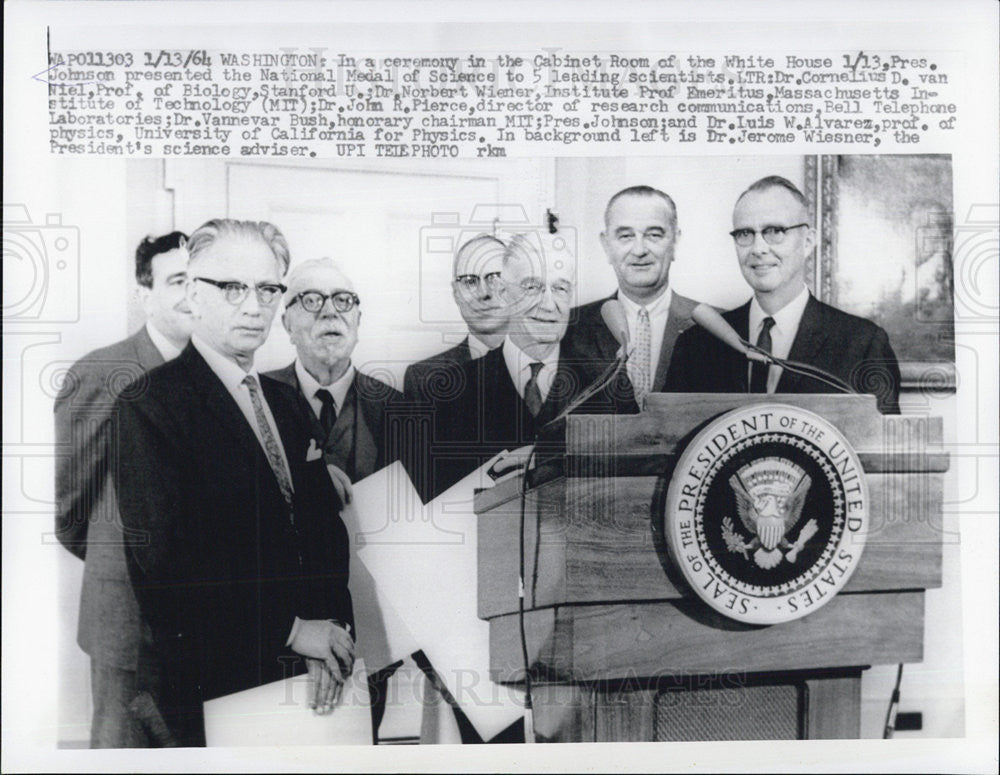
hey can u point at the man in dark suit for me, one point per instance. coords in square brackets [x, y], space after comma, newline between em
[242, 575]
[87, 520]
[774, 238]
[347, 408]
[511, 393]
[474, 286]
[639, 237]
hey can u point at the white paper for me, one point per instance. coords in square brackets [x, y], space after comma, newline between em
[436, 593]
[278, 713]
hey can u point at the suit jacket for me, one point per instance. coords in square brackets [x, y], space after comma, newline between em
[226, 566]
[374, 407]
[485, 415]
[423, 379]
[87, 519]
[589, 340]
[849, 347]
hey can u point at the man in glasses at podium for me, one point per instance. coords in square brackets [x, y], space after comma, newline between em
[774, 239]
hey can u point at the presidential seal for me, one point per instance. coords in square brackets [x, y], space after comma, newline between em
[766, 514]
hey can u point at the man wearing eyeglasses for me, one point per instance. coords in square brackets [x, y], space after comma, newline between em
[347, 407]
[774, 239]
[243, 573]
[475, 285]
[513, 391]
[87, 520]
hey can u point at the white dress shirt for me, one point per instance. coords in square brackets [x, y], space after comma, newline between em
[338, 388]
[477, 347]
[658, 311]
[164, 345]
[786, 326]
[519, 367]
[232, 376]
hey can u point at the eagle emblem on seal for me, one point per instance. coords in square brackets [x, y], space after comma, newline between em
[770, 493]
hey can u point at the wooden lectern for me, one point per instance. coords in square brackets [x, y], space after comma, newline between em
[620, 649]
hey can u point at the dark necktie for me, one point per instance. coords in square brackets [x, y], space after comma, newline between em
[758, 370]
[532, 393]
[328, 412]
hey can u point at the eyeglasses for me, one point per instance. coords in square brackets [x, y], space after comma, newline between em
[235, 292]
[313, 301]
[473, 282]
[773, 235]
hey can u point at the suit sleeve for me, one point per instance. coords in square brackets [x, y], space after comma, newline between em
[152, 498]
[879, 373]
[82, 420]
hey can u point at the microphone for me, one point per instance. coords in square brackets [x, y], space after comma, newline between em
[706, 317]
[613, 315]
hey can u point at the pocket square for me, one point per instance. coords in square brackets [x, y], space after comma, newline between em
[314, 452]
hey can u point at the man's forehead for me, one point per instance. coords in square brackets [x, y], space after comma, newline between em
[770, 206]
[173, 260]
[630, 208]
[549, 266]
[319, 278]
[477, 254]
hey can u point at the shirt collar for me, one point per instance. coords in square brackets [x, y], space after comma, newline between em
[164, 345]
[519, 362]
[338, 388]
[659, 304]
[229, 371]
[786, 319]
[477, 347]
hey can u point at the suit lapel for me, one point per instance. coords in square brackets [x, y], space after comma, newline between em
[677, 321]
[208, 389]
[807, 345]
[739, 319]
[365, 449]
[146, 354]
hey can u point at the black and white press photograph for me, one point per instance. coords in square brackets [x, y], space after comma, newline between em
[680, 436]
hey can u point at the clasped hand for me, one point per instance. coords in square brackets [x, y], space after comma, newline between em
[329, 651]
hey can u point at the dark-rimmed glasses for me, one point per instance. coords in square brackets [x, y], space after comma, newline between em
[235, 292]
[773, 235]
[313, 301]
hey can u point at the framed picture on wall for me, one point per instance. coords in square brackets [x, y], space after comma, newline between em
[885, 253]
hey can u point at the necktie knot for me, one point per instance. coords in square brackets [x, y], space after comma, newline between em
[251, 382]
[535, 368]
[766, 325]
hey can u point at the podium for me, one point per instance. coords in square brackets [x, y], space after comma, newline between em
[619, 646]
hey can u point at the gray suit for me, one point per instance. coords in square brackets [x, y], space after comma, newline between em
[89, 525]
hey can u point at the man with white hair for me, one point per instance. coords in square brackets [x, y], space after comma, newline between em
[514, 391]
[242, 573]
[348, 408]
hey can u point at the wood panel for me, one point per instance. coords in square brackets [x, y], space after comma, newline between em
[607, 642]
[833, 708]
[669, 418]
[590, 540]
